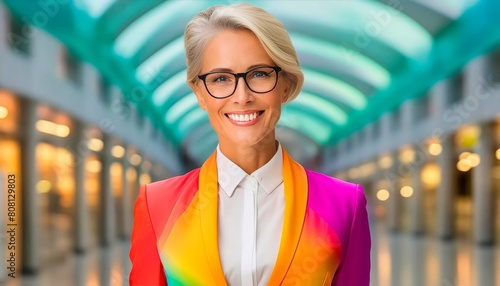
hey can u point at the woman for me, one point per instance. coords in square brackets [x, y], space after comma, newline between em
[250, 215]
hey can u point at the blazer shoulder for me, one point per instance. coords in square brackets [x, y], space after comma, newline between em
[336, 201]
[331, 185]
[172, 186]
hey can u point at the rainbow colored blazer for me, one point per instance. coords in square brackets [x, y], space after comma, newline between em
[325, 238]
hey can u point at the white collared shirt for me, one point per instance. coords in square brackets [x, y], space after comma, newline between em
[250, 219]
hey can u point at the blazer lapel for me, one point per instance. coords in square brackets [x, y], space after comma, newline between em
[208, 198]
[296, 193]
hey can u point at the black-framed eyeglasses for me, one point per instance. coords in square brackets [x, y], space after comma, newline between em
[223, 84]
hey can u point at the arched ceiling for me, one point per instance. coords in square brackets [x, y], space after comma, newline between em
[360, 58]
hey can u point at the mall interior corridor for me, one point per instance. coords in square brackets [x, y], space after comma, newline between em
[401, 97]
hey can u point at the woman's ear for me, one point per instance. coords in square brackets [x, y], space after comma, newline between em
[197, 91]
[286, 90]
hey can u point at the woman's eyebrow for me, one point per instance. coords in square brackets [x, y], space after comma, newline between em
[221, 69]
[258, 66]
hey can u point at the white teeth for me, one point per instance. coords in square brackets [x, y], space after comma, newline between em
[243, 117]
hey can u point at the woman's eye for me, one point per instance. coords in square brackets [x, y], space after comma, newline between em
[221, 78]
[259, 74]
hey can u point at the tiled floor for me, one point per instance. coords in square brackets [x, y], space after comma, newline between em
[397, 260]
[105, 266]
[401, 259]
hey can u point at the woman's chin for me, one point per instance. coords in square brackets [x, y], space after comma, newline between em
[250, 140]
[246, 142]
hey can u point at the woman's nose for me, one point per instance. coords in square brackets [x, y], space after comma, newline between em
[242, 94]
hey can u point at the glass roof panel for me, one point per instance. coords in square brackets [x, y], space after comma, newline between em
[407, 36]
[150, 68]
[190, 121]
[132, 39]
[321, 106]
[451, 8]
[317, 130]
[166, 89]
[336, 89]
[181, 107]
[95, 8]
[367, 69]
[369, 20]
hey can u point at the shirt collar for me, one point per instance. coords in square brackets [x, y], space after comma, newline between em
[269, 176]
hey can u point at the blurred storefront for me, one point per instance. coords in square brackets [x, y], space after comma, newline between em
[432, 167]
[77, 162]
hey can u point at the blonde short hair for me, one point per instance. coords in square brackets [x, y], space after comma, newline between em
[269, 30]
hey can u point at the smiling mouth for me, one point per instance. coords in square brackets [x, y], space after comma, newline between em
[244, 117]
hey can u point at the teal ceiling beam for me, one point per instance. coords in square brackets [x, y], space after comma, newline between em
[368, 27]
[335, 89]
[183, 106]
[159, 63]
[342, 59]
[318, 106]
[314, 128]
[168, 88]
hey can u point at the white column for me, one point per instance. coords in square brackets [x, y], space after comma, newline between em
[81, 216]
[394, 202]
[417, 200]
[407, 118]
[482, 188]
[126, 230]
[138, 169]
[30, 201]
[446, 189]
[107, 209]
[416, 207]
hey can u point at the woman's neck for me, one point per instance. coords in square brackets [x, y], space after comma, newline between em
[250, 158]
